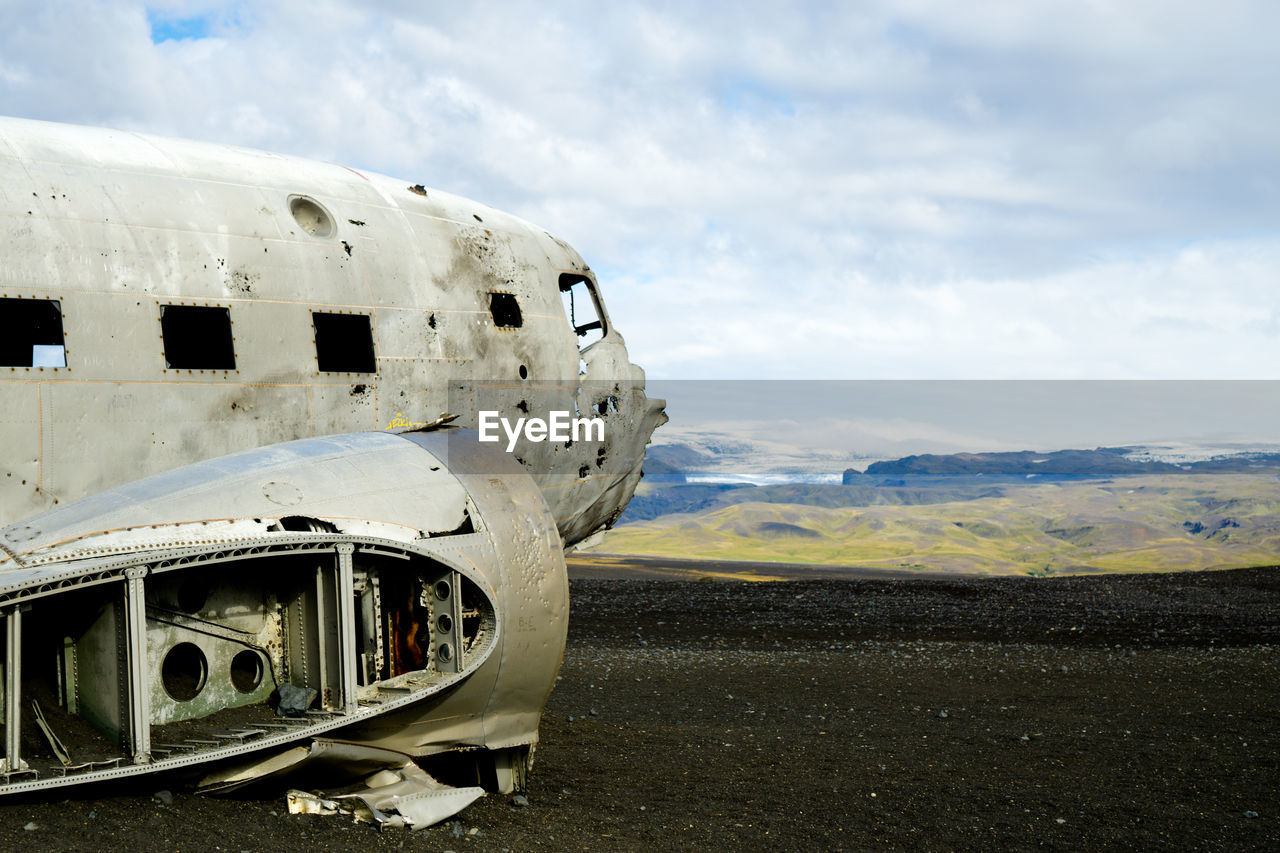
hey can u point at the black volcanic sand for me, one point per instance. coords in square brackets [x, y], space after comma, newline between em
[1084, 713]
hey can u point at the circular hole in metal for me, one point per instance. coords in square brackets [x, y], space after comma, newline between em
[246, 671]
[310, 216]
[192, 595]
[444, 623]
[184, 672]
[524, 372]
[445, 652]
[442, 590]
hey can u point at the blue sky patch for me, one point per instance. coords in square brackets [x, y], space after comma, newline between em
[164, 28]
[755, 98]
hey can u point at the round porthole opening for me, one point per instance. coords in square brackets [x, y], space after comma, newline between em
[445, 652]
[310, 216]
[246, 671]
[184, 672]
[442, 590]
[444, 624]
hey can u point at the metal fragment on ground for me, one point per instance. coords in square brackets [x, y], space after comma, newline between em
[405, 796]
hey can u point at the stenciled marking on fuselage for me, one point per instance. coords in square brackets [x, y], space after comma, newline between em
[401, 422]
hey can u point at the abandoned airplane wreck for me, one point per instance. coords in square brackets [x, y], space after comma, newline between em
[250, 524]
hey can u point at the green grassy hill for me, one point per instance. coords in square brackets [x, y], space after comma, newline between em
[1141, 523]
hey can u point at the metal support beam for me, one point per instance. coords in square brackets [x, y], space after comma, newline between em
[447, 629]
[13, 690]
[135, 618]
[322, 637]
[456, 603]
[348, 654]
[370, 639]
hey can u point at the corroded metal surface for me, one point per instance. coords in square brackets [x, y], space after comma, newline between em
[119, 227]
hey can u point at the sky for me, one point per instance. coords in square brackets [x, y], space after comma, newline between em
[918, 189]
[822, 426]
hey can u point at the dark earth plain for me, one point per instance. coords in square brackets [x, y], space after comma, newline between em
[961, 713]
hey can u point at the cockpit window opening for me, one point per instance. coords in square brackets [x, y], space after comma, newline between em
[32, 333]
[582, 307]
[197, 337]
[344, 343]
[505, 309]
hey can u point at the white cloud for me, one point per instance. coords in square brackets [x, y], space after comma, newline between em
[911, 188]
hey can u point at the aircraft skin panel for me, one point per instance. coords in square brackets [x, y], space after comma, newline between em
[20, 422]
[118, 227]
[242, 482]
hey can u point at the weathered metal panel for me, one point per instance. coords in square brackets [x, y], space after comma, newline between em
[99, 675]
[115, 225]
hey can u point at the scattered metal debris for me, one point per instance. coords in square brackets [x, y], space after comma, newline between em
[406, 796]
[59, 751]
[294, 701]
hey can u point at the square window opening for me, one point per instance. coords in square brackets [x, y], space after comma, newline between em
[197, 337]
[32, 333]
[505, 310]
[344, 343]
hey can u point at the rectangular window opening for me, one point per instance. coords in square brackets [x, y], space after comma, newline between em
[505, 310]
[32, 333]
[344, 343]
[197, 337]
[582, 307]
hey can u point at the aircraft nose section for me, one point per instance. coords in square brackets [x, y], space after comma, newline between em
[657, 412]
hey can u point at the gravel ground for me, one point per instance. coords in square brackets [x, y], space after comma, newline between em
[1102, 712]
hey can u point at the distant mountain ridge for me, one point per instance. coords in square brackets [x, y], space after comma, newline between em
[679, 463]
[1057, 464]
[1100, 462]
